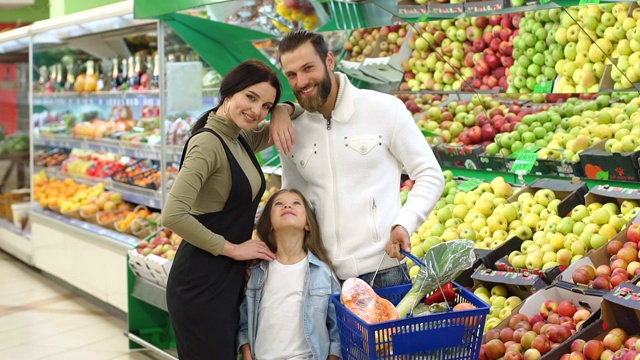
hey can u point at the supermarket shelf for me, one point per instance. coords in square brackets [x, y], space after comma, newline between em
[142, 151]
[106, 98]
[150, 293]
[140, 341]
[15, 241]
[81, 228]
[373, 13]
[135, 194]
[527, 179]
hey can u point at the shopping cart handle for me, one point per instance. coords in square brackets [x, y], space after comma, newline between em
[412, 257]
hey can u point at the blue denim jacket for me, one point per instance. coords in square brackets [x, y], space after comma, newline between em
[320, 324]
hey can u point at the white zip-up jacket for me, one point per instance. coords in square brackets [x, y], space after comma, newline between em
[349, 168]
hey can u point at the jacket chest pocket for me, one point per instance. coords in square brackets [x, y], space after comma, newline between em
[320, 298]
[363, 144]
[302, 157]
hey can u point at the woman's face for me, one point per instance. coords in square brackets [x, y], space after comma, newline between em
[288, 211]
[250, 106]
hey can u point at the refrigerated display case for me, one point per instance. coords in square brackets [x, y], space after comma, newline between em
[14, 143]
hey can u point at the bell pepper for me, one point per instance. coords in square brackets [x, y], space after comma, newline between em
[446, 293]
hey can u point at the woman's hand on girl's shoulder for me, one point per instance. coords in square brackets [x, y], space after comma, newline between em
[248, 250]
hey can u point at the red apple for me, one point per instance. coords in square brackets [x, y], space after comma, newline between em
[518, 333]
[580, 276]
[630, 343]
[603, 270]
[613, 246]
[548, 307]
[495, 349]
[516, 318]
[541, 343]
[581, 314]
[633, 233]
[512, 355]
[527, 338]
[576, 355]
[620, 332]
[593, 349]
[612, 342]
[577, 345]
[506, 334]
[631, 245]
[602, 282]
[537, 327]
[566, 308]
[628, 254]
[559, 333]
[492, 334]
[535, 318]
[553, 318]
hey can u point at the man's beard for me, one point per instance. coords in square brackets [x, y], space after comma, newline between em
[315, 102]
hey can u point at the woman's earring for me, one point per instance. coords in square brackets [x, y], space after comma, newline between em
[226, 110]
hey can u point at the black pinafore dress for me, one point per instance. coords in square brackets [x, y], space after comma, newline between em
[204, 292]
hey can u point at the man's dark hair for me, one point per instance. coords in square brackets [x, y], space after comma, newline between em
[293, 40]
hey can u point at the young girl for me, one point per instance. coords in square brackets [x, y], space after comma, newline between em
[287, 312]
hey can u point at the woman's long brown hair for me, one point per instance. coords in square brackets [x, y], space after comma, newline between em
[312, 238]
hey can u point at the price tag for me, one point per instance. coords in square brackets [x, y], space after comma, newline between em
[469, 185]
[602, 175]
[428, 133]
[524, 162]
[589, 2]
[542, 2]
[544, 87]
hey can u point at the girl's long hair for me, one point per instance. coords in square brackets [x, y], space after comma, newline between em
[312, 238]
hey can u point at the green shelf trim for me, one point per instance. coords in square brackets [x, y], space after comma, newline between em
[223, 46]
[528, 179]
[147, 9]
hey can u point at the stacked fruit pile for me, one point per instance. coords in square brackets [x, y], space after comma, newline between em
[616, 344]
[374, 42]
[164, 244]
[462, 54]
[564, 131]
[501, 304]
[624, 263]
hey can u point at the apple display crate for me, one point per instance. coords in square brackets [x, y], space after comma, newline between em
[458, 333]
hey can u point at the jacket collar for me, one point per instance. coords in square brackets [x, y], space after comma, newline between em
[225, 127]
[344, 101]
[313, 260]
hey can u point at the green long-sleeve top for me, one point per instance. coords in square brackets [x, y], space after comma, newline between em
[204, 181]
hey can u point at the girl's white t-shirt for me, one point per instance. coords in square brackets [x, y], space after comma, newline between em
[280, 333]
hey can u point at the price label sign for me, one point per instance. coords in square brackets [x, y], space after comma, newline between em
[429, 133]
[602, 175]
[524, 162]
[543, 88]
[469, 185]
[542, 2]
[589, 2]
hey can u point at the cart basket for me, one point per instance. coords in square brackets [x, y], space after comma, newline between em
[438, 336]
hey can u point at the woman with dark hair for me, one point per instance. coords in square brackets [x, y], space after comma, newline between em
[288, 313]
[212, 206]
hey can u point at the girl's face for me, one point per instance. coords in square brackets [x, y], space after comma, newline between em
[288, 211]
[250, 106]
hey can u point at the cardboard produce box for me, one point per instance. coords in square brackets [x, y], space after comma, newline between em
[570, 193]
[532, 306]
[594, 258]
[599, 164]
[459, 155]
[620, 308]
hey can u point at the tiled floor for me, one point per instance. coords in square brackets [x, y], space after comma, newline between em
[39, 319]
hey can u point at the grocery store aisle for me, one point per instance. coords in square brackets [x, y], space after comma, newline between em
[39, 319]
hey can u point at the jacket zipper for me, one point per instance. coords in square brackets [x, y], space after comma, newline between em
[373, 217]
